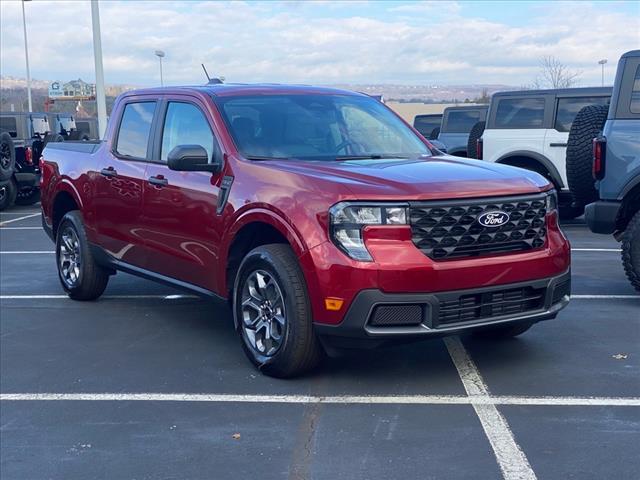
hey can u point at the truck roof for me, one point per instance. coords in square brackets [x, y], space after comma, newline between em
[479, 106]
[232, 89]
[559, 92]
[632, 53]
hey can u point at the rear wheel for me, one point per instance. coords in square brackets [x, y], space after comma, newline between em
[474, 135]
[631, 251]
[8, 192]
[272, 312]
[81, 277]
[585, 127]
[7, 156]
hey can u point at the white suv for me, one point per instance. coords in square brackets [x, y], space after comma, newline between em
[530, 128]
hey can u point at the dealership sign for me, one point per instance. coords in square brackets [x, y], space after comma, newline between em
[55, 90]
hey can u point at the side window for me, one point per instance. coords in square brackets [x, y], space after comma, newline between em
[426, 123]
[634, 106]
[133, 134]
[520, 113]
[568, 108]
[185, 124]
[461, 121]
[10, 125]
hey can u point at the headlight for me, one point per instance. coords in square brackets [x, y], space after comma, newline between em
[348, 219]
[552, 201]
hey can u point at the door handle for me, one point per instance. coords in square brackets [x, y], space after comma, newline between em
[557, 144]
[109, 172]
[158, 181]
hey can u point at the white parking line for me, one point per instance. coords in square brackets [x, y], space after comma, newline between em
[20, 228]
[6, 222]
[604, 297]
[596, 249]
[17, 213]
[337, 399]
[126, 297]
[32, 252]
[511, 459]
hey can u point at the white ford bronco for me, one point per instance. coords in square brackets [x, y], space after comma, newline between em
[530, 128]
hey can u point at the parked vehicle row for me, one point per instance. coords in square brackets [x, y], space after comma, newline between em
[23, 136]
[323, 219]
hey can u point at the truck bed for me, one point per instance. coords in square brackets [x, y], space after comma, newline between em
[80, 146]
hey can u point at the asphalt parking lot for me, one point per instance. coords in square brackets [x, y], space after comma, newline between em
[147, 383]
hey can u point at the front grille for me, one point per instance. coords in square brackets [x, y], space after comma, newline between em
[450, 229]
[392, 315]
[478, 306]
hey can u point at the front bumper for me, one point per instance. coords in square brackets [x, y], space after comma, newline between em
[601, 216]
[445, 313]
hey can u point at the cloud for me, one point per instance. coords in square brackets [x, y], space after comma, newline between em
[311, 42]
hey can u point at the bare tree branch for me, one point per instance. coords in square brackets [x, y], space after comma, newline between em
[555, 74]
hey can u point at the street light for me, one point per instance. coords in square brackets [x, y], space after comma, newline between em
[602, 62]
[26, 56]
[160, 55]
[97, 58]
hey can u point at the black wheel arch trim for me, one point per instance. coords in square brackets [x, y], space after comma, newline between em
[546, 163]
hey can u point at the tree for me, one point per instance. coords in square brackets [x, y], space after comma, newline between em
[555, 74]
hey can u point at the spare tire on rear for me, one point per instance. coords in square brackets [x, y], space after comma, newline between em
[53, 137]
[7, 156]
[586, 126]
[474, 135]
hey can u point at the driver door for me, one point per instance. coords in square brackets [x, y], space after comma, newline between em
[180, 225]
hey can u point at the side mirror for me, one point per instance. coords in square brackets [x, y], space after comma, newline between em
[191, 158]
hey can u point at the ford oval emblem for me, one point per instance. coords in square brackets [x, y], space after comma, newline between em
[493, 219]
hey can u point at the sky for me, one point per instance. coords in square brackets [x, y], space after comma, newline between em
[323, 42]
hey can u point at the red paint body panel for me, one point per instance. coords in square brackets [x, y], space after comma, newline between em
[176, 232]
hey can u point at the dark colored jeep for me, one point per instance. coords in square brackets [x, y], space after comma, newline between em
[22, 139]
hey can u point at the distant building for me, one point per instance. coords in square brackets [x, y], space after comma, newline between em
[72, 89]
[78, 88]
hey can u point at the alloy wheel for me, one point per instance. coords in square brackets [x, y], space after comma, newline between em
[263, 313]
[69, 258]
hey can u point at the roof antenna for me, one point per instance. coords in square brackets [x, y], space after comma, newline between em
[205, 72]
[211, 81]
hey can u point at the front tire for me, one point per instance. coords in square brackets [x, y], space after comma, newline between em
[272, 312]
[504, 331]
[81, 277]
[631, 251]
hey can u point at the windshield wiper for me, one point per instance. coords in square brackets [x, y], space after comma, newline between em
[369, 157]
[263, 158]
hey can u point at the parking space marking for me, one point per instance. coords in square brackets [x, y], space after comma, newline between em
[20, 228]
[604, 297]
[596, 249]
[6, 222]
[119, 297]
[33, 252]
[17, 213]
[511, 459]
[331, 399]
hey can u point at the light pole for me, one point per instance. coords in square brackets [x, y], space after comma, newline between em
[160, 55]
[97, 57]
[602, 62]
[26, 56]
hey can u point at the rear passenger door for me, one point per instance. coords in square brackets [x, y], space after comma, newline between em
[555, 142]
[181, 226]
[118, 182]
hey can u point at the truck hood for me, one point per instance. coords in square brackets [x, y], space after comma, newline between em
[420, 179]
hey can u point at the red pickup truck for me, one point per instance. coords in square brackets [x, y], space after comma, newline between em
[324, 219]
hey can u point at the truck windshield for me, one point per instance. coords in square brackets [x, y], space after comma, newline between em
[317, 127]
[39, 126]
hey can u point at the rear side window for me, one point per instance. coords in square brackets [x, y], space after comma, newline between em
[185, 124]
[133, 134]
[83, 127]
[568, 108]
[462, 121]
[520, 113]
[426, 123]
[10, 125]
[634, 106]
